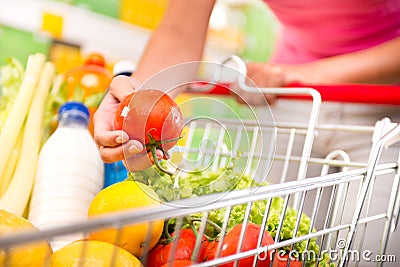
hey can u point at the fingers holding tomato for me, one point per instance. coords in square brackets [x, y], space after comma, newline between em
[148, 115]
[104, 133]
[121, 86]
[152, 118]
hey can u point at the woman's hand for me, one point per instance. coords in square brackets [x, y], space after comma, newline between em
[115, 145]
[265, 75]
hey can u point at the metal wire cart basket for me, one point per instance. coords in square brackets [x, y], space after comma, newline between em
[319, 211]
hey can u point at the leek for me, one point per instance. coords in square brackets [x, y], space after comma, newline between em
[11, 164]
[13, 124]
[16, 198]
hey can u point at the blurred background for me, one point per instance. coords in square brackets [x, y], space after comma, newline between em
[67, 30]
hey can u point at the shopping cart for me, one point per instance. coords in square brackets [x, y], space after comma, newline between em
[338, 203]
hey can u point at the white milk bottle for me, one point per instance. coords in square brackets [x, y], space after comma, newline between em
[69, 174]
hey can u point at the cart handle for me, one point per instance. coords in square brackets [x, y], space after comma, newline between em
[310, 93]
[347, 93]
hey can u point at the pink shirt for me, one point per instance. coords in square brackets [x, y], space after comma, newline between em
[315, 29]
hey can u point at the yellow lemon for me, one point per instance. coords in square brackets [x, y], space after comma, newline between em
[27, 254]
[137, 238]
[92, 253]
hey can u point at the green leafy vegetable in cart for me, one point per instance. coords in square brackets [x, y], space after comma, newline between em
[11, 75]
[200, 183]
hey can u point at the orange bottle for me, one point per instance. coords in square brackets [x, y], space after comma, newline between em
[88, 83]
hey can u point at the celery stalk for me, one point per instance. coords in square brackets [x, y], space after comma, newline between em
[11, 164]
[53, 102]
[18, 192]
[14, 122]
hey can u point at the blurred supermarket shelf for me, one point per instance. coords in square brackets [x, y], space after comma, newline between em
[93, 32]
[115, 38]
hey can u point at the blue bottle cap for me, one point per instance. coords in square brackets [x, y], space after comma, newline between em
[74, 105]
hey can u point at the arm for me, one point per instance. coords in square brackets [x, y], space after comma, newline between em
[179, 38]
[375, 65]
[379, 64]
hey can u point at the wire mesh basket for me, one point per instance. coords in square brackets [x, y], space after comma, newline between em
[317, 211]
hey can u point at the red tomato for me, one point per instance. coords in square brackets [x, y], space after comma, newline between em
[250, 239]
[146, 113]
[179, 263]
[209, 251]
[185, 245]
[282, 261]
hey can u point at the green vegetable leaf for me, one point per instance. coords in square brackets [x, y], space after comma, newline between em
[57, 97]
[94, 100]
[11, 75]
[78, 94]
[200, 183]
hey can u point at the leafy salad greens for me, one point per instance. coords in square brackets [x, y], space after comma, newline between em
[200, 183]
[11, 75]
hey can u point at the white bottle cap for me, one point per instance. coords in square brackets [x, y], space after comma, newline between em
[124, 66]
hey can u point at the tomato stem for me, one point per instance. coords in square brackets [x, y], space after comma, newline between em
[213, 224]
[159, 143]
[197, 246]
[166, 234]
[153, 148]
[153, 145]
